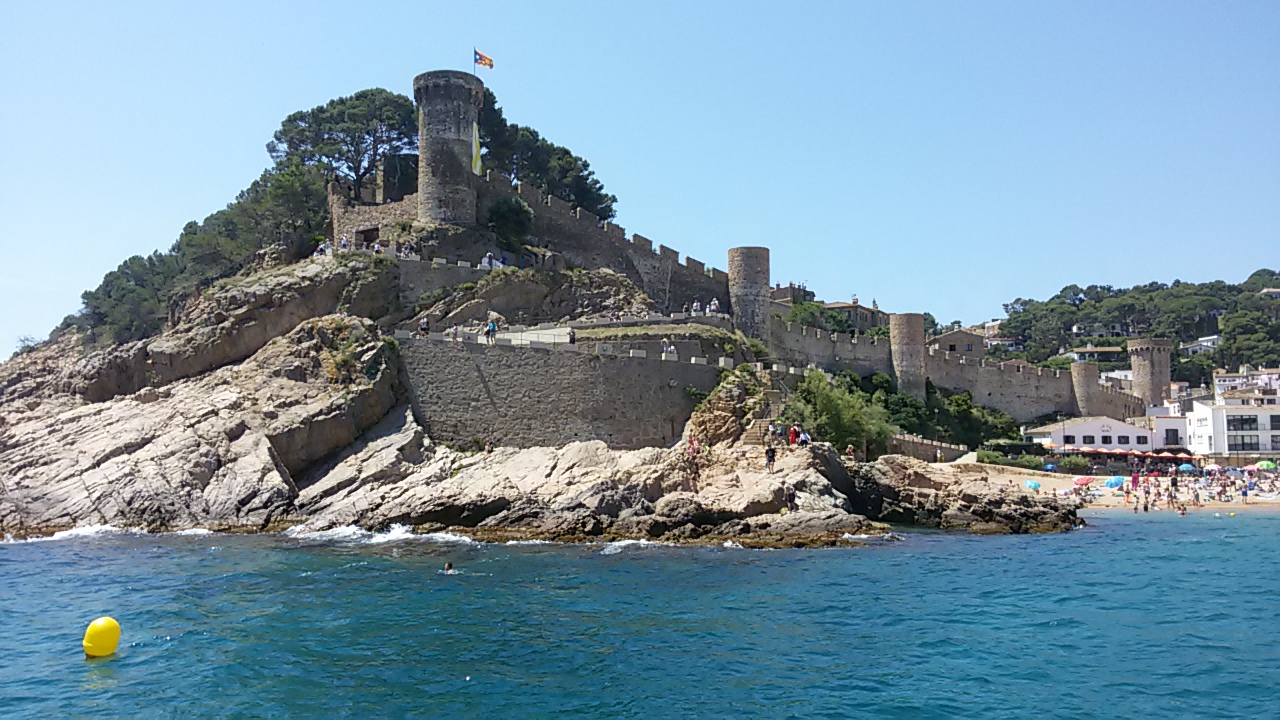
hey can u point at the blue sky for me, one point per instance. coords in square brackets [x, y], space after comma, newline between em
[936, 156]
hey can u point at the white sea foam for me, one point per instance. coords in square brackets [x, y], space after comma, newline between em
[192, 531]
[359, 536]
[529, 542]
[877, 536]
[87, 531]
[733, 544]
[617, 546]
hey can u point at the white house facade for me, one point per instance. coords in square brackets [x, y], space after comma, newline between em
[1236, 427]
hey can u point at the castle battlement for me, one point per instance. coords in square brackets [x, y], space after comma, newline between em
[608, 232]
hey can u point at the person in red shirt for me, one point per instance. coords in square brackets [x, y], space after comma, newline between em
[794, 435]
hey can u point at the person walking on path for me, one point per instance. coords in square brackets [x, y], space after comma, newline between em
[770, 455]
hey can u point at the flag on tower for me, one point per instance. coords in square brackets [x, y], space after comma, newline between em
[482, 59]
[475, 149]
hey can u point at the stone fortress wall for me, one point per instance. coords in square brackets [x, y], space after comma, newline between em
[525, 396]
[586, 241]
[532, 395]
[834, 352]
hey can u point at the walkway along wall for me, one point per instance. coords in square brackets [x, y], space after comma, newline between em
[528, 396]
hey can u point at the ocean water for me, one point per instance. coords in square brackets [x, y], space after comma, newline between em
[1153, 617]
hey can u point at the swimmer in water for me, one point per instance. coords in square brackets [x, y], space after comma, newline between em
[448, 569]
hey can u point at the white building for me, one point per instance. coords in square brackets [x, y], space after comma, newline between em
[1247, 377]
[1243, 424]
[1206, 344]
[1095, 432]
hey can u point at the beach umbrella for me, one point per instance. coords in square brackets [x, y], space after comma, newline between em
[1115, 482]
[1187, 467]
[1266, 465]
[1032, 484]
[1213, 466]
[1183, 455]
[1234, 471]
[1082, 481]
[1085, 449]
[1249, 468]
[1050, 468]
[1166, 454]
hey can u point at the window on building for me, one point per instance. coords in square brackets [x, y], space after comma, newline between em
[1106, 439]
[1201, 422]
[1242, 443]
[951, 347]
[1275, 422]
[968, 347]
[1069, 439]
[1275, 442]
[1210, 443]
[1171, 436]
[1122, 440]
[1089, 440]
[1142, 439]
[1236, 423]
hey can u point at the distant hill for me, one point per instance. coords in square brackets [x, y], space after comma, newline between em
[1248, 321]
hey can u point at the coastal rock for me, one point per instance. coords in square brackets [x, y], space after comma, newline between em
[198, 452]
[899, 489]
[233, 319]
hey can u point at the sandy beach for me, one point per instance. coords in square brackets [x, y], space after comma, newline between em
[1108, 498]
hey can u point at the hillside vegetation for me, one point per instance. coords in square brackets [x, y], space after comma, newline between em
[286, 207]
[1248, 322]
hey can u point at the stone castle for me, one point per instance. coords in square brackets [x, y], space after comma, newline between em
[450, 197]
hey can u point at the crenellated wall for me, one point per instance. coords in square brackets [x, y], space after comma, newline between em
[830, 351]
[586, 241]
[1023, 391]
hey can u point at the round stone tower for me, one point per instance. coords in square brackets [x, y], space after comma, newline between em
[1150, 360]
[906, 342]
[749, 290]
[1084, 384]
[448, 107]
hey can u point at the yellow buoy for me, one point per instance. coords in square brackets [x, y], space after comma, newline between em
[101, 637]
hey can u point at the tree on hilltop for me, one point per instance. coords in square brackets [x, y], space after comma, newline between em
[520, 152]
[349, 135]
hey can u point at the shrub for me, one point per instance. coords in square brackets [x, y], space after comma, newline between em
[1073, 464]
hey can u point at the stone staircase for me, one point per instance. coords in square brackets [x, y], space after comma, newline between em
[758, 430]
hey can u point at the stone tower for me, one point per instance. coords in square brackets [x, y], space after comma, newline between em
[906, 343]
[448, 107]
[1150, 360]
[1084, 385]
[749, 290]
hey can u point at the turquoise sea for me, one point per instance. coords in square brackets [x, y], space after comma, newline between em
[1148, 617]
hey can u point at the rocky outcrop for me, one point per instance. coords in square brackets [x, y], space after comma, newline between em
[899, 489]
[233, 318]
[537, 295]
[577, 492]
[216, 451]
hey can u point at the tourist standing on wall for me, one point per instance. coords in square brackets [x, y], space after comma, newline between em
[770, 455]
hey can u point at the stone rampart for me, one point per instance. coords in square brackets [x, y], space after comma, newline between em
[420, 277]
[805, 346]
[586, 241]
[1023, 391]
[525, 396]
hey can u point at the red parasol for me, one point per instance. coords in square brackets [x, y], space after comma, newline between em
[1167, 454]
[1082, 481]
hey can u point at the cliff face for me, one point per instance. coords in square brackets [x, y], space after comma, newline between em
[233, 319]
[214, 451]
